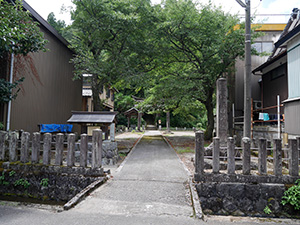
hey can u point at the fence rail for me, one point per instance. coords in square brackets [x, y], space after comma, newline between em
[38, 150]
[262, 175]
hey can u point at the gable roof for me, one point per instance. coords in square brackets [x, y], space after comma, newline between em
[105, 117]
[291, 29]
[44, 23]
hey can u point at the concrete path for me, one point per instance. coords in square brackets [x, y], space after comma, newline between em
[149, 188]
[152, 182]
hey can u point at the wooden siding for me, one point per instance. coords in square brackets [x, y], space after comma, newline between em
[50, 95]
[294, 68]
[292, 118]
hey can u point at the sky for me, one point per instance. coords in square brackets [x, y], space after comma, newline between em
[44, 7]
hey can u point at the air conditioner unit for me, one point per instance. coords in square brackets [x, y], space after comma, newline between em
[257, 105]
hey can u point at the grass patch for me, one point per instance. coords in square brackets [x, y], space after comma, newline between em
[185, 150]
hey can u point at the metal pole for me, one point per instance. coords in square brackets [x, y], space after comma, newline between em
[247, 74]
[278, 116]
[10, 80]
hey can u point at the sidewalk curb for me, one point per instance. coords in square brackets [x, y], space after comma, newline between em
[81, 195]
[194, 196]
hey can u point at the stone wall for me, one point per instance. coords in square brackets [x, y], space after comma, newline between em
[54, 183]
[242, 199]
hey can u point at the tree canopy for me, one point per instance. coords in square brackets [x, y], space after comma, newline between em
[170, 54]
[19, 34]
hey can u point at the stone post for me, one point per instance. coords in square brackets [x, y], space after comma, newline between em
[112, 132]
[293, 158]
[13, 147]
[216, 155]
[2, 145]
[59, 149]
[277, 157]
[71, 150]
[47, 149]
[24, 147]
[199, 153]
[262, 156]
[83, 150]
[222, 116]
[97, 149]
[139, 120]
[168, 122]
[246, 156]
[36, 146]
[230, 156]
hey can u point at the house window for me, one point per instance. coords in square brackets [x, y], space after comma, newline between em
[280, 71]
[263, 47]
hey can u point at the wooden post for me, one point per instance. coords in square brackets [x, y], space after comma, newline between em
[199, 153]
[277, 157]
[230, 156]
[293, 158]
[97, 148]
[262, 156]
[13, 147]
[36, 146]
[216, 155]
[24, 147]
[83, 150]
[47, 149]
[71, 150]
[246, 156]
[2, 145]
[59, 149]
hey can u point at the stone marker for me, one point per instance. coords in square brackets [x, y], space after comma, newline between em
[222, 117]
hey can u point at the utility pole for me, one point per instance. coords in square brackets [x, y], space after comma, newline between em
[247, 72]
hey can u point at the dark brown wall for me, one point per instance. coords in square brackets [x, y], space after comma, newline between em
[50, 94]
[274, 87]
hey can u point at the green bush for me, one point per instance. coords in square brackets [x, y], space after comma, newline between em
[292, 196]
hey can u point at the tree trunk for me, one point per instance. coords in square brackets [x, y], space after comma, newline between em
[208, 134]
[97, 103]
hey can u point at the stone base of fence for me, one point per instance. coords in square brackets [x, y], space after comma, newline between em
[43, 185]
[240, 178]
[243, 199]
[40, 168]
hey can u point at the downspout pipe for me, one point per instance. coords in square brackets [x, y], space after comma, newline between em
[10, 81]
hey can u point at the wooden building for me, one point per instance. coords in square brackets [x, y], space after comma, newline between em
[48, 93]
[280, 75]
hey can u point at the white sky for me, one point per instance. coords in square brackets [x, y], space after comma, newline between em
[44, 7]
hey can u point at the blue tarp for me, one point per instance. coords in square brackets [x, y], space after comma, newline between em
[55, 128]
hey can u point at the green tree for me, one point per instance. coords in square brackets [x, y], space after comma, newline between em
[107, 35]
[58, 25]
[201, 45]
[19, 34]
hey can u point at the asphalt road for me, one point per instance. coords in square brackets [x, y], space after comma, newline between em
[150, 187]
